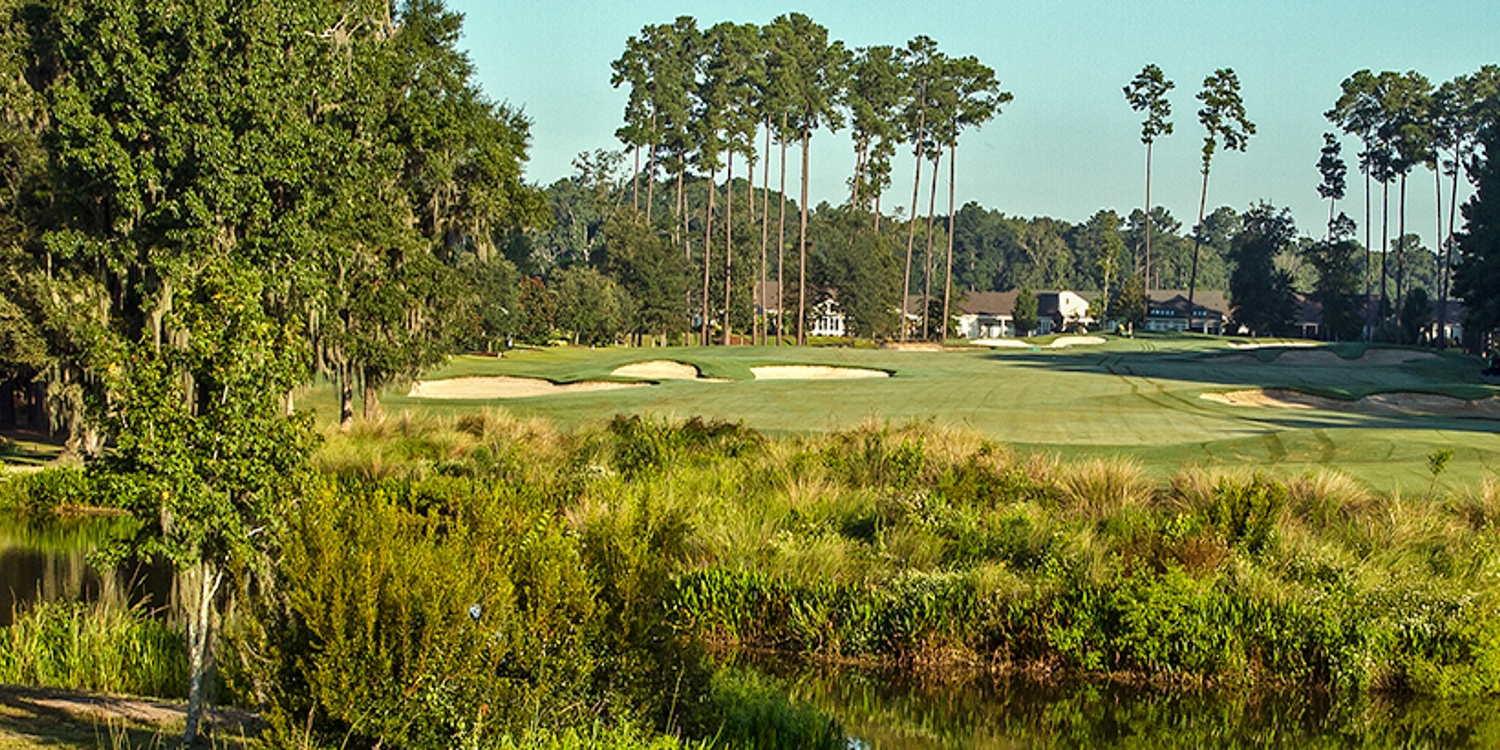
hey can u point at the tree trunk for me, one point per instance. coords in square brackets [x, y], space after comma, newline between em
[1401, 254]
[802, 244]
[635, 180]
[1385, 245]
[36, 409]
[8, 404]
[948, 278]
[781, 244]
[1197, 243]
[1148, 216]
[372, 396]
[1369, 259]
[708, 231]
[765, 234]
[728, 243]
[911, 223]
[651, 173]
[200, 644]
[927, 255]
[1448, 244]
[346, 397]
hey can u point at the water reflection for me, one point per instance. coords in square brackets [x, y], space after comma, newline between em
[889, 710]
[47, 559]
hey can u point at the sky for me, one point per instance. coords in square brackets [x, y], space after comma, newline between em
[1069, 144]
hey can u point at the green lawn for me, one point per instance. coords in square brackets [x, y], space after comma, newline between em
[1137, 397]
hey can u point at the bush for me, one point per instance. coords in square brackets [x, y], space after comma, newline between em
[47, 490]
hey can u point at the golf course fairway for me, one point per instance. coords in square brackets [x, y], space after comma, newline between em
[1141, 398]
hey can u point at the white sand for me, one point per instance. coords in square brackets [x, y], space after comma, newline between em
[506, 387]
[662, 369]
[1061, 342]
[814, 372]
[1416, 404]
[1278, 345]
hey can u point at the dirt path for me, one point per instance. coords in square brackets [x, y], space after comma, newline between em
[32, 717]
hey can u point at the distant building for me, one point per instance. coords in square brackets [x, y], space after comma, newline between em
[990, 315]
[1168, 310]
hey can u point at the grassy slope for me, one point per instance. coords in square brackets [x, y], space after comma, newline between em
[1135, 397]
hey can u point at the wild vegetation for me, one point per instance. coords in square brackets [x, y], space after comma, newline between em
[208, 205]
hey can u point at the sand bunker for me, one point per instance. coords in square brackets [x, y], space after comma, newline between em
[1382, 404]
[814, 372]
[1326, 358]
[1061, 342]
[1278, 345]
[662, 369]
[506, 387]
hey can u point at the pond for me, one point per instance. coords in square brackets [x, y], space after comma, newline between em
[892, 710]
[48, 559]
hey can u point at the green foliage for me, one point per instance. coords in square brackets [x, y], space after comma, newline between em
[47, 490]
[591, 305]
[755, 713]
[1025, 312]
[1261, 294]
[470, 618]
[1477, 276]
[1247, 513]
[1337, 287]
[101, 648]
[643, 445]
[1130, 306]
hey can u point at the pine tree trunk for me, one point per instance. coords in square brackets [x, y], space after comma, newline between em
[927, 255]
[1401, 255]
[911, 223]
[802, 243]
[651, 174]
[1148, 216]
[1385, 246]
[728, 243]
[635, 181]
[1448, 245]
[708, 230]
[1197, 243]
[765, 235]
[948, 277]
[781, 244]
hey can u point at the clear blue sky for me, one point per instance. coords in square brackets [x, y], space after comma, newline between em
[1069, 144]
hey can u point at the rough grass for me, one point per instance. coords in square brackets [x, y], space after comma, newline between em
[917, 544]
[1136, 398]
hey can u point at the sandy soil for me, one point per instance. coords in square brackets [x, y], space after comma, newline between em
[1279, 345]
[506, 387]
[1325, 358]
[1062, 342]
[1385, 404]
[662, 369]
[814, 372]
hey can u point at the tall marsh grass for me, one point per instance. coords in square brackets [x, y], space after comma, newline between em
[100, 647]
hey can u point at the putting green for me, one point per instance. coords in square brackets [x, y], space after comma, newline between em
[1137, 397]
